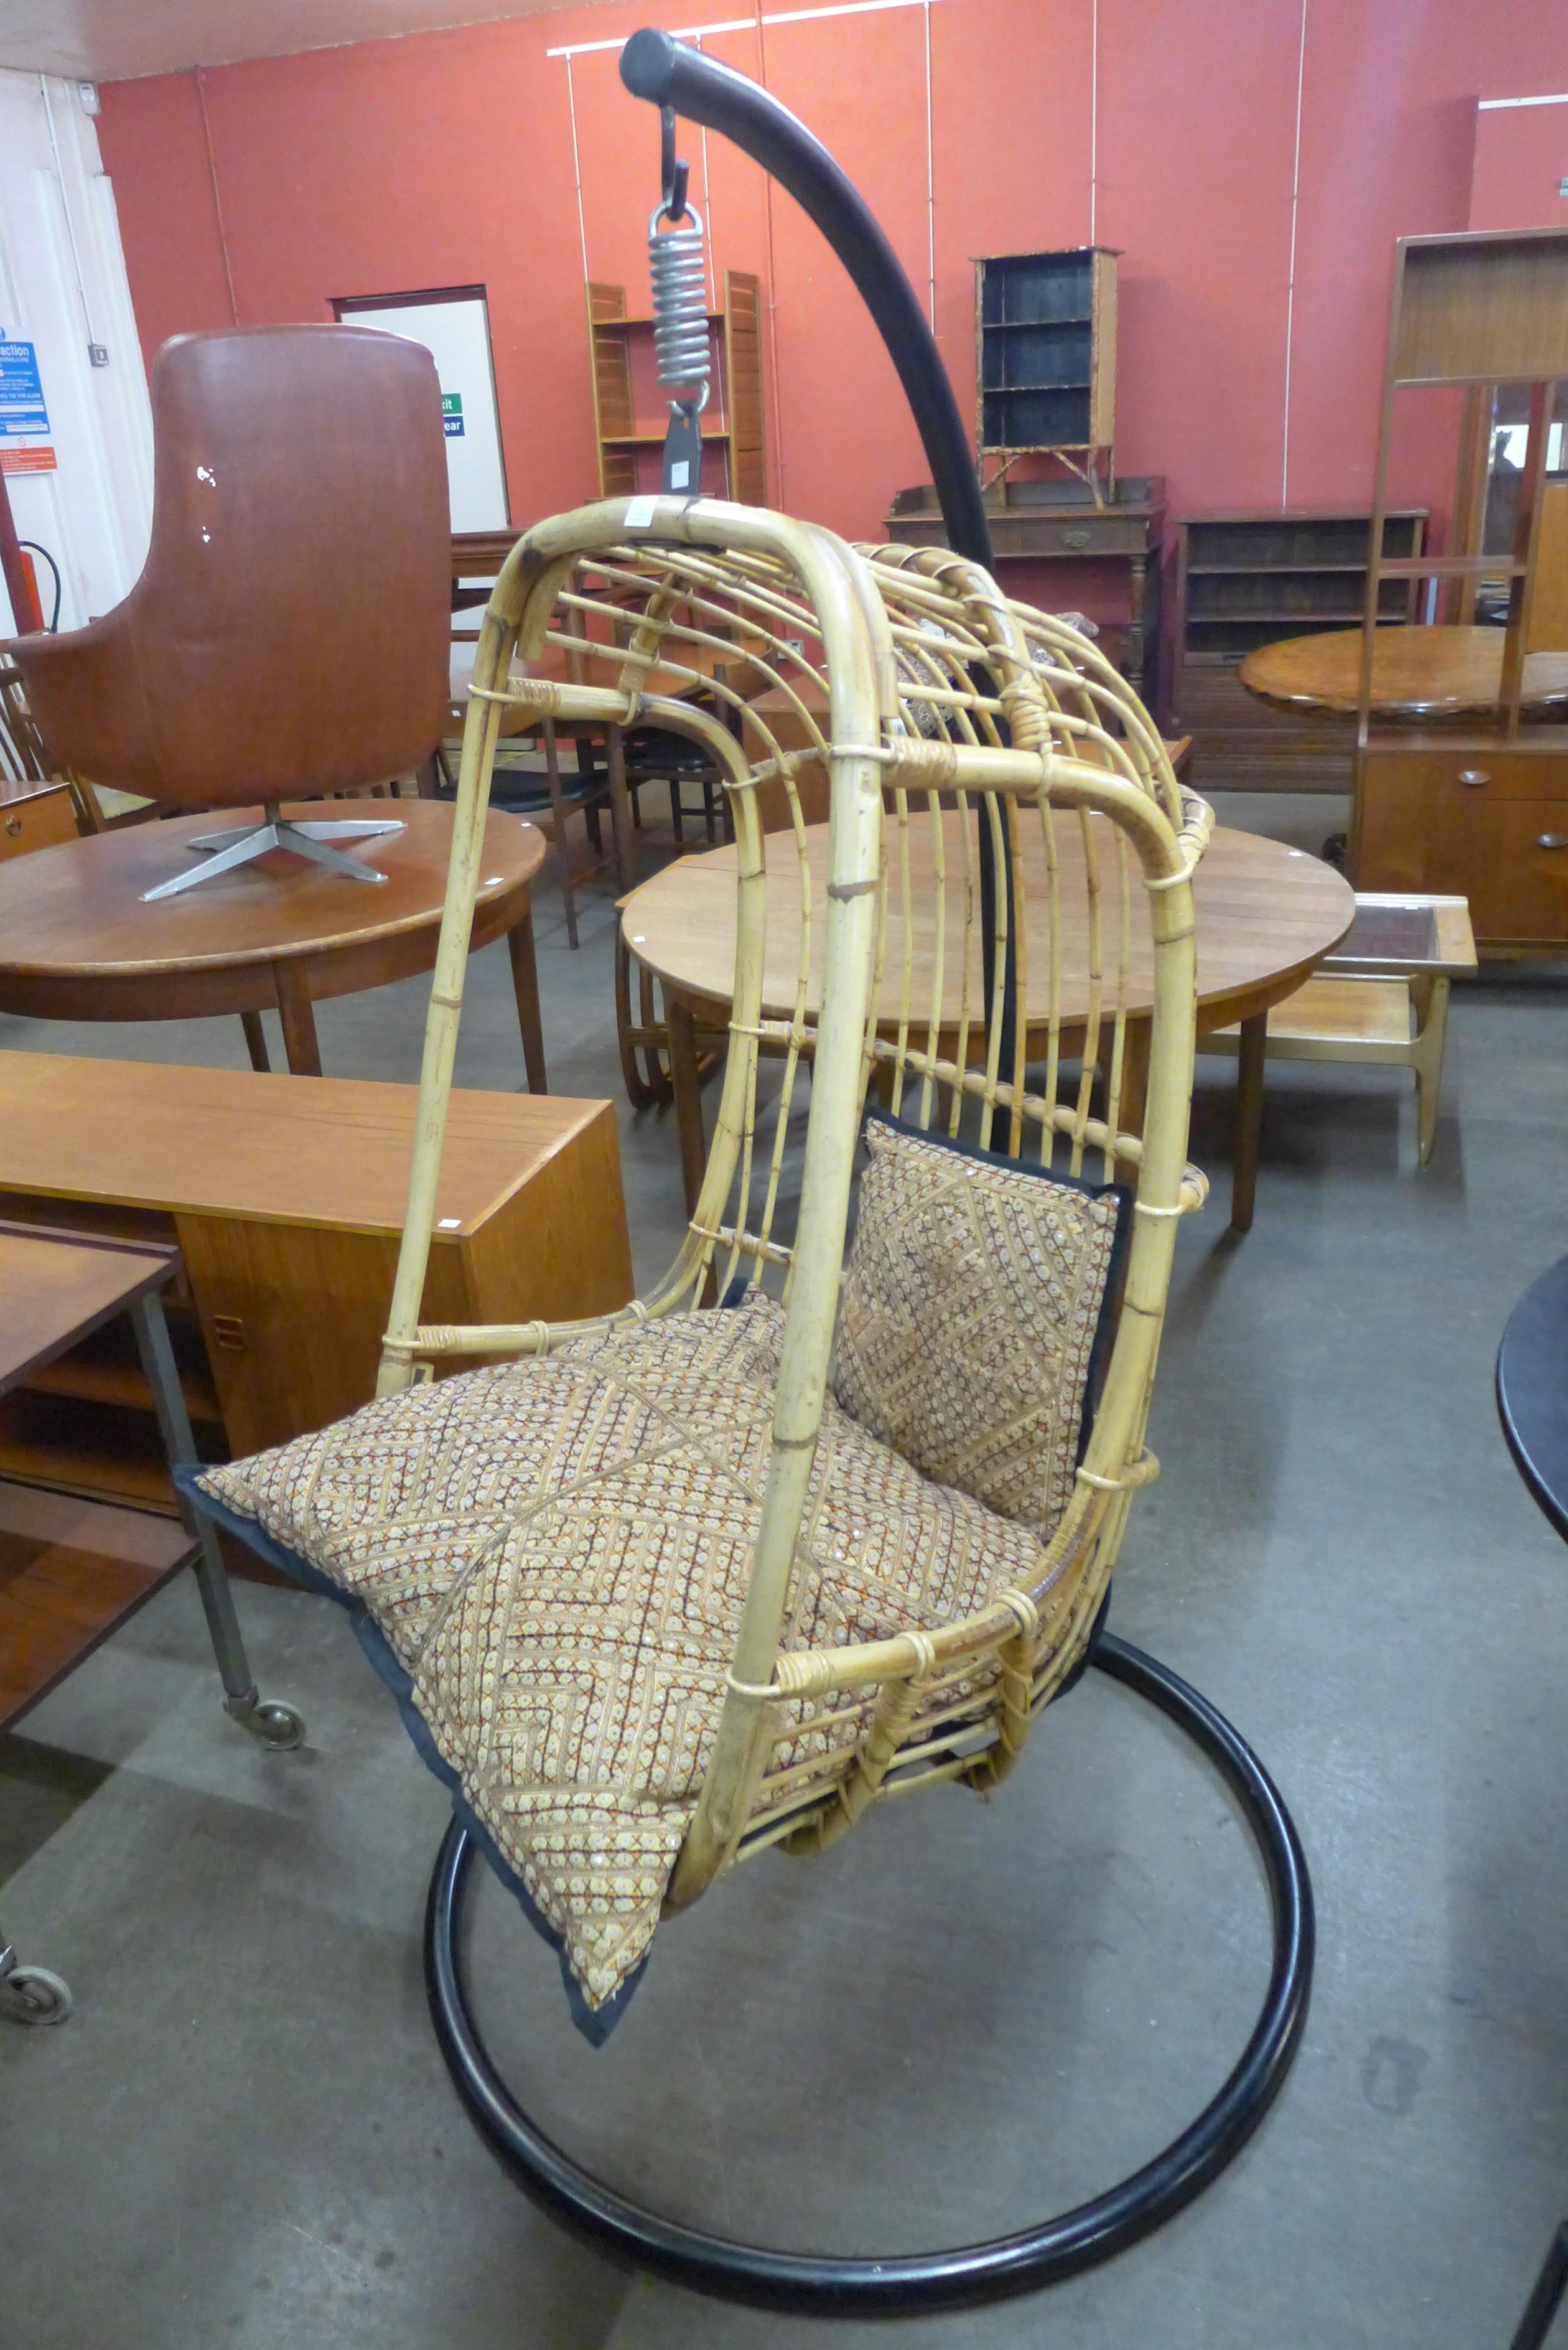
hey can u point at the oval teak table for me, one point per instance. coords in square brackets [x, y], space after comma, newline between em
[77, 943]
[1267, 915]
[1416, 672]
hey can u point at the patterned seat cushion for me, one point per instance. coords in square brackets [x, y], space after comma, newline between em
[973, 1316]
[556, 1553]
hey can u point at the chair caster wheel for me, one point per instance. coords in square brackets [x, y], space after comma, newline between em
[272, 1724]
[33, 1995]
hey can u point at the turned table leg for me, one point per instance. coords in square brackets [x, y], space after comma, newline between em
[255, 1041]
[1136, 1042]
[620, 809]
[294, 1007]
[1247, 1128]
[525, 987]
[687, 1085]
[1138, 586]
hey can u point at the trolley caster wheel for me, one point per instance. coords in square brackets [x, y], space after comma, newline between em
[274, 1725]
[33, 1995]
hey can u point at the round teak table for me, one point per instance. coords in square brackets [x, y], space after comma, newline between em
[1440, 672]
[1266, 916]
[77, 943]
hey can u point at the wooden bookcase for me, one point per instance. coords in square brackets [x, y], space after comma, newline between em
[285, 1198]
[629, 416]
[1247, 578]
[1046, 324]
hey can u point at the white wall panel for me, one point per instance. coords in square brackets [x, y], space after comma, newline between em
[62, 285]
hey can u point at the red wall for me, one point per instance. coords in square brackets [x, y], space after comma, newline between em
[1521, 161]
[447, 159]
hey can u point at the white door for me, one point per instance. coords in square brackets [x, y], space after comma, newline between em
[455, 330]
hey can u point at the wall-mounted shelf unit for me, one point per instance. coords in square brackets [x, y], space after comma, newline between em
[1046, 330]
[629, 415]
[1246, 579]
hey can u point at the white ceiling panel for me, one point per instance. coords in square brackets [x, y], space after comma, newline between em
[115, 40]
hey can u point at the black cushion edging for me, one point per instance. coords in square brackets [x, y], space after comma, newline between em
[595, 2023]
[1116, 1271]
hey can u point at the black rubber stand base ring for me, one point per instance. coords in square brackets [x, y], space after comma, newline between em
[827, 2284]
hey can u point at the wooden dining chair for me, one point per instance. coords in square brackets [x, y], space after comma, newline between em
[25, 762]
[531, 779]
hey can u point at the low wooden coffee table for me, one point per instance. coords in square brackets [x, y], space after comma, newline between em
[77, 943]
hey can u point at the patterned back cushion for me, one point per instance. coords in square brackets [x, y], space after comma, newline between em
[976, 1303]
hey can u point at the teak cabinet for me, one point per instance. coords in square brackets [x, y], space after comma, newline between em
[627, 401]
[285, 1198]
[1479, 808]
[1465, 815]
[1247, 578]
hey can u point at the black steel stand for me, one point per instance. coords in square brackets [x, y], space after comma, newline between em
[1547, 2298]
[827, 2286]
[672, 74]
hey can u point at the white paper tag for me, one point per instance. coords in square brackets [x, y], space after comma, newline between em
[639, 514]
[680, 474]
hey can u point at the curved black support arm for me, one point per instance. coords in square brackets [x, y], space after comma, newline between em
[668, 72]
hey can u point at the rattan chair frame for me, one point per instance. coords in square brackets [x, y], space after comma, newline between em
[1049, 734]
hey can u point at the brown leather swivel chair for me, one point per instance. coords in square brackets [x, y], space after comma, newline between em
[289, 633]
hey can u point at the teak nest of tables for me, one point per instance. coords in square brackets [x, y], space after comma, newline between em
[286, 1201]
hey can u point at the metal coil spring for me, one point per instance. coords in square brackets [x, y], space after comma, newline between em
[676, 266]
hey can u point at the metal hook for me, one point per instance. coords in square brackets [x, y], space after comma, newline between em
[674, 174]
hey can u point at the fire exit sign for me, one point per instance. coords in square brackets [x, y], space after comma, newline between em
[22, 410]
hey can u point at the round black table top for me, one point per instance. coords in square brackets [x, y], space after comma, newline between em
[1533, 1391]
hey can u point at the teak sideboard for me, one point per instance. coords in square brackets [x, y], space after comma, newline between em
[285, 1198]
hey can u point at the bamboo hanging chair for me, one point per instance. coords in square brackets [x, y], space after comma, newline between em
[954, 713]
[993, 947]
[1054, 755]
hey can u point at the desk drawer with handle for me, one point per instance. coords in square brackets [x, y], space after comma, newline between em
[1107, 533]
[1511, 862]
[36, 820]
[1487, 775]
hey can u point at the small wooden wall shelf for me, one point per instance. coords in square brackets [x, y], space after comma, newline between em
[285, 1196]
[1247, 578]
[1046, 329]
[629, 415]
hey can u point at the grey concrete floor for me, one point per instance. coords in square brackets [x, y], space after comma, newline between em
[971, 2013]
